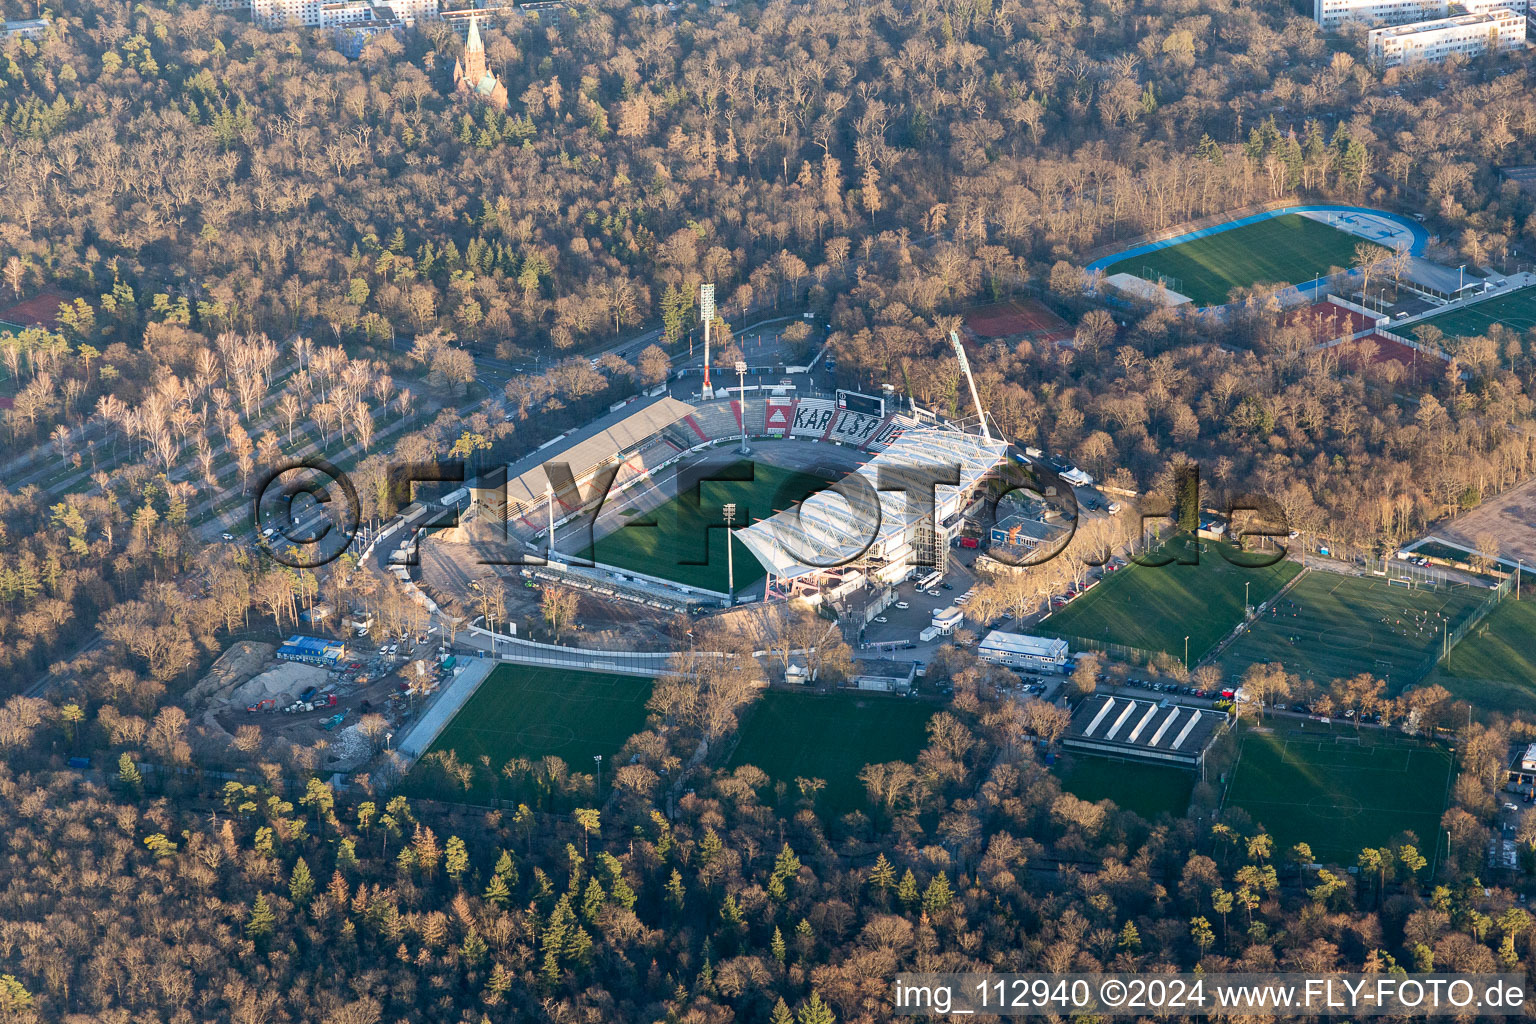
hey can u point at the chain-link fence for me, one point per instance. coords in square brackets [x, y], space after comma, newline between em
[1454, 636]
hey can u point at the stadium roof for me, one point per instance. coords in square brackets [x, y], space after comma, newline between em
[591, 445]
[830, 528]
[1147, 729]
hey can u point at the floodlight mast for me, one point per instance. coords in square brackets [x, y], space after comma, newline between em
[707, 314]
[965, 368]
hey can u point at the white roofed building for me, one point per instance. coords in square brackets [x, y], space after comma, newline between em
[1018, 650]
[887, 533]
[1466, 35]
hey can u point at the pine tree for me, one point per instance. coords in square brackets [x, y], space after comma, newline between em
[815, 1011]
[907, 891]
[474, 949]
[787, 865]
[781, 1013]
[262, 920]
[780, 950]
[730, 912]
[128, 772]
[883, 877]
[498, 984]
[593, 901]
[497, 893]
[456, 858]
[301, 884]
[938, 895]
[675, 891]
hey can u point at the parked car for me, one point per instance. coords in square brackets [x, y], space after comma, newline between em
[903, 605]
[881, 618]
[946, 586]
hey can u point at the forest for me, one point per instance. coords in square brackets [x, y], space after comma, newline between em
[261, 250]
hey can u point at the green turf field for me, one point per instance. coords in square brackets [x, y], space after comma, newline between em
[1494, 666]
[533, 712]
[1331, 626]
[1155, 607]
[832, 737]
[670, 541]
[1517, 311]
[1340, 790]
[1289, 249]
[1145, 789]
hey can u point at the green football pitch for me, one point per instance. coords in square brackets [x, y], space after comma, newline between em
[1155, 607]
[1340, 790]
[534, 712]
[1517, 311]
[809, 736]
[683, 540]
[1289, 249]
[1331, 626]
[1494, 666]
[1146, 789]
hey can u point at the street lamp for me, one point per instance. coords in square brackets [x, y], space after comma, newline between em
[549, 492]
[597, 759]
[741, 391]
[1247, 608]
[730, 558]
[1186, 654]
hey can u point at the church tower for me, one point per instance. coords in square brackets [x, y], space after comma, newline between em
[474, 54]
[472, 78]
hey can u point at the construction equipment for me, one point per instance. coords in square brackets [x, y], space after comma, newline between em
[264, 705]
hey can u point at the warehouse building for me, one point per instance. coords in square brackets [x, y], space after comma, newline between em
[1144, 730]
[1016, 650]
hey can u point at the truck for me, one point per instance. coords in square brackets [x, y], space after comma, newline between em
[928, 634]
[335, 720]
[308, 694]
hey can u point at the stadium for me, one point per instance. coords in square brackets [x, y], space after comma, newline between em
[637, 502]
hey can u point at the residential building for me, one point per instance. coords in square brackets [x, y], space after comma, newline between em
[1332, 14]
[1466, 34]
[341, 13]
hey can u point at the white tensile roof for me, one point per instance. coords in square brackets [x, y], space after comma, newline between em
[831, 527]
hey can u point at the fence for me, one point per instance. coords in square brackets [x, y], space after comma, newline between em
[1122, 652]
[1454, 636]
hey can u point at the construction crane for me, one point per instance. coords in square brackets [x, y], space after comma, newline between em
[965, 368]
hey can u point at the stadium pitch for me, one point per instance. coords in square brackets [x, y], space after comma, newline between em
[1494, 667]
[1289, 249]
[1516, 310]
[533, 712]
[1340, 789]
[1154, 607]
[1331, 626]
[809, 736]
[683, 540]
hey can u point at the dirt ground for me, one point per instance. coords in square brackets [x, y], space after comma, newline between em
[1510, 516]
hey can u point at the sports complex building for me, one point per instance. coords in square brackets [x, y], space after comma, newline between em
[1143, 730]
[623, 494]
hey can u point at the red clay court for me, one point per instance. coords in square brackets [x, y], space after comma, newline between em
[1021, 317]
[1329, 321]
[41, 310]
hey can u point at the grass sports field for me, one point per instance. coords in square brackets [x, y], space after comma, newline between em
[1154, 607]
[795, 735]
[1340, 791]
[670, 542]
[1517, 311]
[534, 711]
[1494, 666]
[1289, 249]
[1330, 626]
[1146, 789]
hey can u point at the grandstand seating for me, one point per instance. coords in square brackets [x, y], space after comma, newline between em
[646, 460]
[813, 416]
[681, 435]
[854, 427]
[757, 416]
[883, 438]
[717, 420]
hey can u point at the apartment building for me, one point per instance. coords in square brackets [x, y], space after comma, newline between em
[1466, 34]
[332, 14]
[1332, 14]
